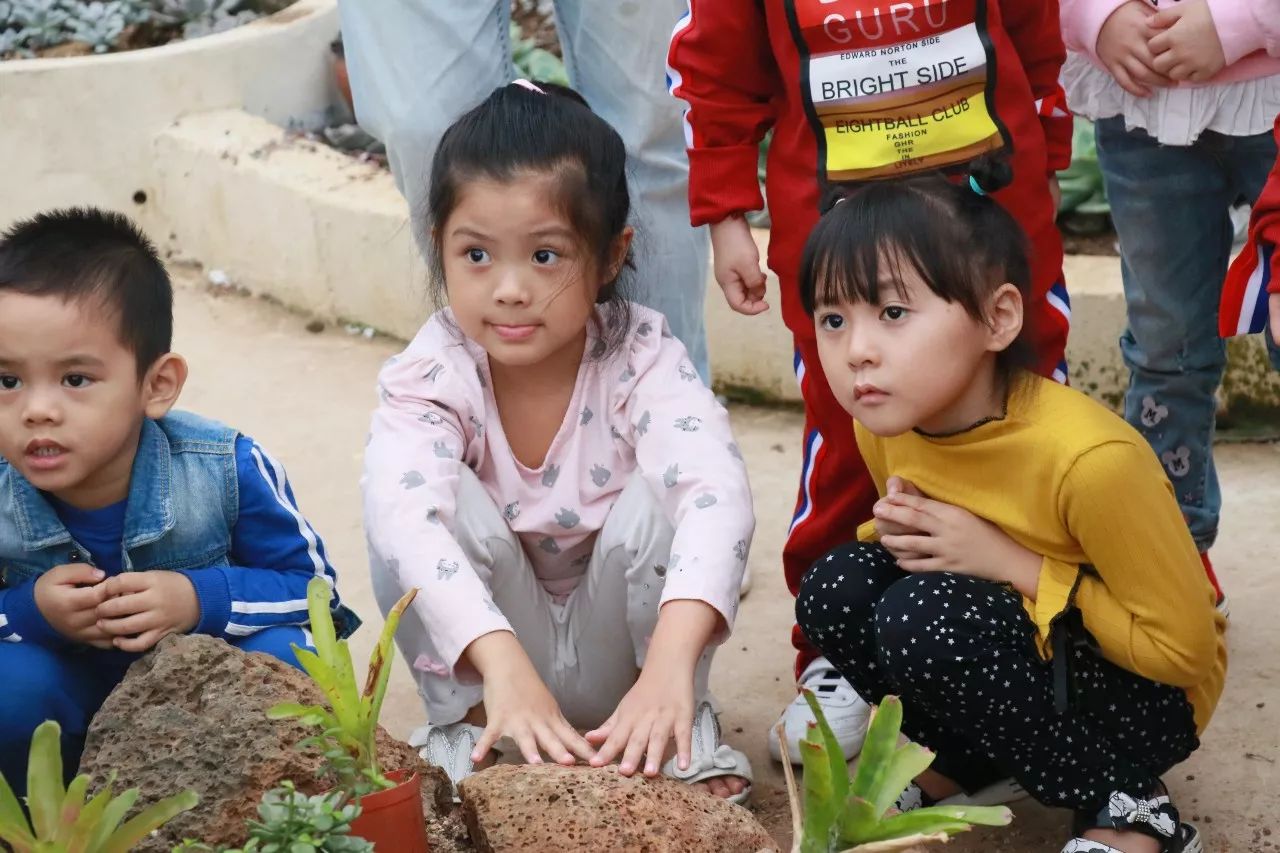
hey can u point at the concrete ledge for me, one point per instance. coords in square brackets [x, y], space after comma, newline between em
[330, 236]
[80, 130]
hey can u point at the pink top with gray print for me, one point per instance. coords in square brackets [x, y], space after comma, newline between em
[642, 411]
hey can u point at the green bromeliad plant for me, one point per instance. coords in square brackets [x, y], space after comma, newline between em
[348, 727]
[63, 819]
[856, 815]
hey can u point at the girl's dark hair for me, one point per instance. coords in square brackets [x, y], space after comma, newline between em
[961, 243]
[516, 130]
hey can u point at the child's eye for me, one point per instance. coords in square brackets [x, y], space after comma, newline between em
[77, 380]
[893, 312]
[545, 256]
[831, 322]
[9, 382]
[477, 256]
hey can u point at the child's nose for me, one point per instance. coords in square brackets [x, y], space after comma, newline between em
[511, 289]
[41, 407]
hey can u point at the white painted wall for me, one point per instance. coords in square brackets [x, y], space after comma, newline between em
[79, 130]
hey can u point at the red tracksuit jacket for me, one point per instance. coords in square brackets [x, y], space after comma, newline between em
[1255, 274]
[866, 89]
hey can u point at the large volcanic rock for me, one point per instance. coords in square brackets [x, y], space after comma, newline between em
[529, 808]
[192, 714]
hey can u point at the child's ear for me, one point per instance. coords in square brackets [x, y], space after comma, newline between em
[618, 253]
[163, 384]
[1004, 317]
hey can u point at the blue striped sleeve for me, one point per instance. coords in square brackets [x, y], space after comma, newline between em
[274, 555]
[21, 620]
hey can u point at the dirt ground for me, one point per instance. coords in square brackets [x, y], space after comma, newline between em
[307, 397]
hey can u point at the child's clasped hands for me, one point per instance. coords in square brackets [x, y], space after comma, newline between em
[131, 611]
[1145, 49]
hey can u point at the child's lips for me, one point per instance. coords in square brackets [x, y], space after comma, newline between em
[45, 455]
[511, 332]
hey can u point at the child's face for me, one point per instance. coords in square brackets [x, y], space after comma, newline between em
[913, 360]
[71, 404]
[520, 283]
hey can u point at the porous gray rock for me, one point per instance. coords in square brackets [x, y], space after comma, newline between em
[548, 807]
[192, 714]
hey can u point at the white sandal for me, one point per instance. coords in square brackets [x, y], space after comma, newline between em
[709, 758]
[448, 747]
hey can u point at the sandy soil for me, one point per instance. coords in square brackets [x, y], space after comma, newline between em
[307, 397]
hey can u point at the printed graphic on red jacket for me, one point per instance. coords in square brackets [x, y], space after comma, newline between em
[896, 87]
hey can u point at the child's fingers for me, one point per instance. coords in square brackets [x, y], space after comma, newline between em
[123, 605]
[549, 741]
[141, 643]
[906, 511]
[921, 564]
[614, 739]
[128, 626]
[1127, 83]
[527, 744]
[684, 742]
[575, 742]
[633, 755]
[485, 743]
[914, 545]
[659, 737]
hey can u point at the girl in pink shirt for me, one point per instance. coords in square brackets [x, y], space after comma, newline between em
[1183, 96]
[548, 468]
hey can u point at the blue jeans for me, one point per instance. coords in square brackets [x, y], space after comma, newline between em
[417, 65]
[70, 685]
[1170, 207]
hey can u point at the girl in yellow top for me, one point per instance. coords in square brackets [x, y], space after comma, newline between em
[1027, 584]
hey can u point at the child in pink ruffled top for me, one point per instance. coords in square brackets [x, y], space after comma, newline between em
[1183, 94]
[547, 466]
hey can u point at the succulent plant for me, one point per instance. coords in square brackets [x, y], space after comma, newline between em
[291, 822]
[62, 820]
[856, 816]
[347, 728]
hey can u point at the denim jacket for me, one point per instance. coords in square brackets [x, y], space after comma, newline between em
[184, 505]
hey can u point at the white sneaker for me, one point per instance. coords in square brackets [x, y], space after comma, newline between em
[846, 712]
[745, 586]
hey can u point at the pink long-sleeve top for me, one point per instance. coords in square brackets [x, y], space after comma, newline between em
[642, 411]
[1249, 31]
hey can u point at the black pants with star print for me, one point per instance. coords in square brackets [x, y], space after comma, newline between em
[961, 654]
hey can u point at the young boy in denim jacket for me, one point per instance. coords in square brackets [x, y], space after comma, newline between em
[121, 521]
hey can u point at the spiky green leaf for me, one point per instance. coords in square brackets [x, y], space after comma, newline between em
[379, 673]
[149, 819]
[857, 820]
[835, 755]
[89, 821]
[311, 715]
[907, 762]
[44, 779]
[112, 815]
[69, 811]
[14, 829]
[877, 751]
[821, 808]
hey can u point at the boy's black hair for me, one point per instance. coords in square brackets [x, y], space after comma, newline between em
[962, 244]
[516, 131]
[85, 254]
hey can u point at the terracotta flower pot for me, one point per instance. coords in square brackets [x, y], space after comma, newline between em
[392, 819]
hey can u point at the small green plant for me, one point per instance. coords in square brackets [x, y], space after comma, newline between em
[347, 728]
[291, 822]
[840, 814]
[62, 821]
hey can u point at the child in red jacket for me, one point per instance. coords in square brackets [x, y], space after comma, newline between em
[1251, 294]
[858, 90]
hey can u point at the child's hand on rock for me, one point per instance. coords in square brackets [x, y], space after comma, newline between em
[518, 705]
[141, 608]
[1187, 46]
[68, 597]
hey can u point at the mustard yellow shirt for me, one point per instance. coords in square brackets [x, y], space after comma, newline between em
[1070, 480]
